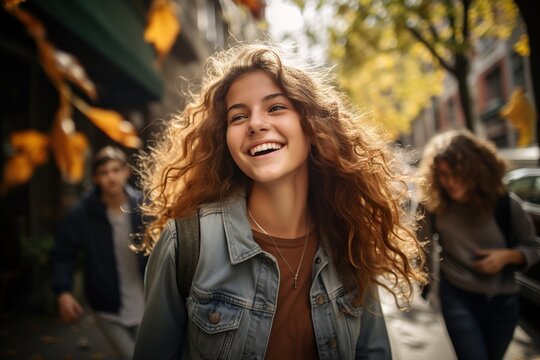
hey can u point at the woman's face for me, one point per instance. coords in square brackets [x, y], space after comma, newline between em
[264, 133]
[454, 186]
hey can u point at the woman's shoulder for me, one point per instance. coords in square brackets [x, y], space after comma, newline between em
[210, 207]
[234, 200]
[166, 241]
[516, 204]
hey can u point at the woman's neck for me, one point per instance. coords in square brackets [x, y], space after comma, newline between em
[282, 211]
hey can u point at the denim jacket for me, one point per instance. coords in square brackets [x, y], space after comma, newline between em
[229, 312]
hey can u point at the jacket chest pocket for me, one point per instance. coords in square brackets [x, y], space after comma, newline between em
[349, 318]
[216, 323]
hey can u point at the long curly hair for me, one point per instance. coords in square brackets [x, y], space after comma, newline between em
[473, 160]
[356, 191]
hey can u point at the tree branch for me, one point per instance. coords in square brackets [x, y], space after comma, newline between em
[432, 50]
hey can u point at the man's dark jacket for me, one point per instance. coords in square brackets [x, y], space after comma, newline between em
[87, 228]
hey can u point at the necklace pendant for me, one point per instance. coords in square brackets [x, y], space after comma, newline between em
[295, 283]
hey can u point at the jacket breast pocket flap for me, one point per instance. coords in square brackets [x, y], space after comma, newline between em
[347, 307]
[215, 316]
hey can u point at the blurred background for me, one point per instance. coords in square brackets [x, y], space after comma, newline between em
[78, 75]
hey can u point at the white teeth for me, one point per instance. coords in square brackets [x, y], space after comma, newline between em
[262, 147]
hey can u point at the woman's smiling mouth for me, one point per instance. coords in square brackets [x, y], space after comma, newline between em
[265, 148]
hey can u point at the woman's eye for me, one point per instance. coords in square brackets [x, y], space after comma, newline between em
[237, 117]
[277, 107]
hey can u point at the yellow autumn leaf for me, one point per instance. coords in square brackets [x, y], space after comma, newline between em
[18, 170]
[11, 4]
[30, 149]
[48, 61]
[78, 143]
[163, 27]
[69, 153]
[72, 70]
[32, 144]
[522, 46]
[69, 146]
[519, 112]
[63, 126]
[114, 125]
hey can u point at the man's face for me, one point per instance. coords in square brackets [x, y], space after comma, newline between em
[111, 177]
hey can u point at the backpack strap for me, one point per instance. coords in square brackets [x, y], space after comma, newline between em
[188, 242]
[503, 217]
[432, 223]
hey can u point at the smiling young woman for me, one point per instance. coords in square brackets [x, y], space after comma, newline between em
[300, 220]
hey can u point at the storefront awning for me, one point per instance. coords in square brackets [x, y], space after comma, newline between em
[115, 30]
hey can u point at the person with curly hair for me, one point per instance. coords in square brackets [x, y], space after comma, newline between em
[484, 235]
[301, 216]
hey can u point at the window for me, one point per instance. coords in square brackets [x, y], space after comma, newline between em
[494, 89]
[527, 188]
[518, 71]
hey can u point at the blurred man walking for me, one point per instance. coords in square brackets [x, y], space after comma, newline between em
[100, 228]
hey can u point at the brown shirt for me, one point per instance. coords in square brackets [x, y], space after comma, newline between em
[292, 335]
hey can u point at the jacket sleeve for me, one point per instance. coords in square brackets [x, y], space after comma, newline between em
[161, 334]
[373, 342]
[64, 255]
[523, 232]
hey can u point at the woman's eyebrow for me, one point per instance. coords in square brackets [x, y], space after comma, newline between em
[264, 99]
[273, 96]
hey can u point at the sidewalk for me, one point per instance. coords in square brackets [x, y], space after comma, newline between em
[46, 338]
[420, 333]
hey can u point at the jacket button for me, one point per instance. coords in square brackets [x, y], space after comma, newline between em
[214, 317]
[319, 299]
[318, 260]
[332, 343]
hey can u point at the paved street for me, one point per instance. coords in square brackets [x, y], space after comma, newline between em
[417, 334]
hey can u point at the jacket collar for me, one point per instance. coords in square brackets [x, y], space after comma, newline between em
[242, 246]
[238, 232]
[95, 204]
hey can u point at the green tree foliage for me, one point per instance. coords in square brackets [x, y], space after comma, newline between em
[392, 55]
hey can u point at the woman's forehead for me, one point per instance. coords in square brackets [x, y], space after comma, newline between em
[257, 84]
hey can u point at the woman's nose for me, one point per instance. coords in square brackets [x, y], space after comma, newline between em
[257, 123]
[452, 180]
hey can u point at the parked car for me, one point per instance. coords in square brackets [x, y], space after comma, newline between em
[525, 183]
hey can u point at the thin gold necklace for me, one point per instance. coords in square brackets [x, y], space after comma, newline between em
[295, 274]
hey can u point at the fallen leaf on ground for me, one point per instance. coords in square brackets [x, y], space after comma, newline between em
[48, 340]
